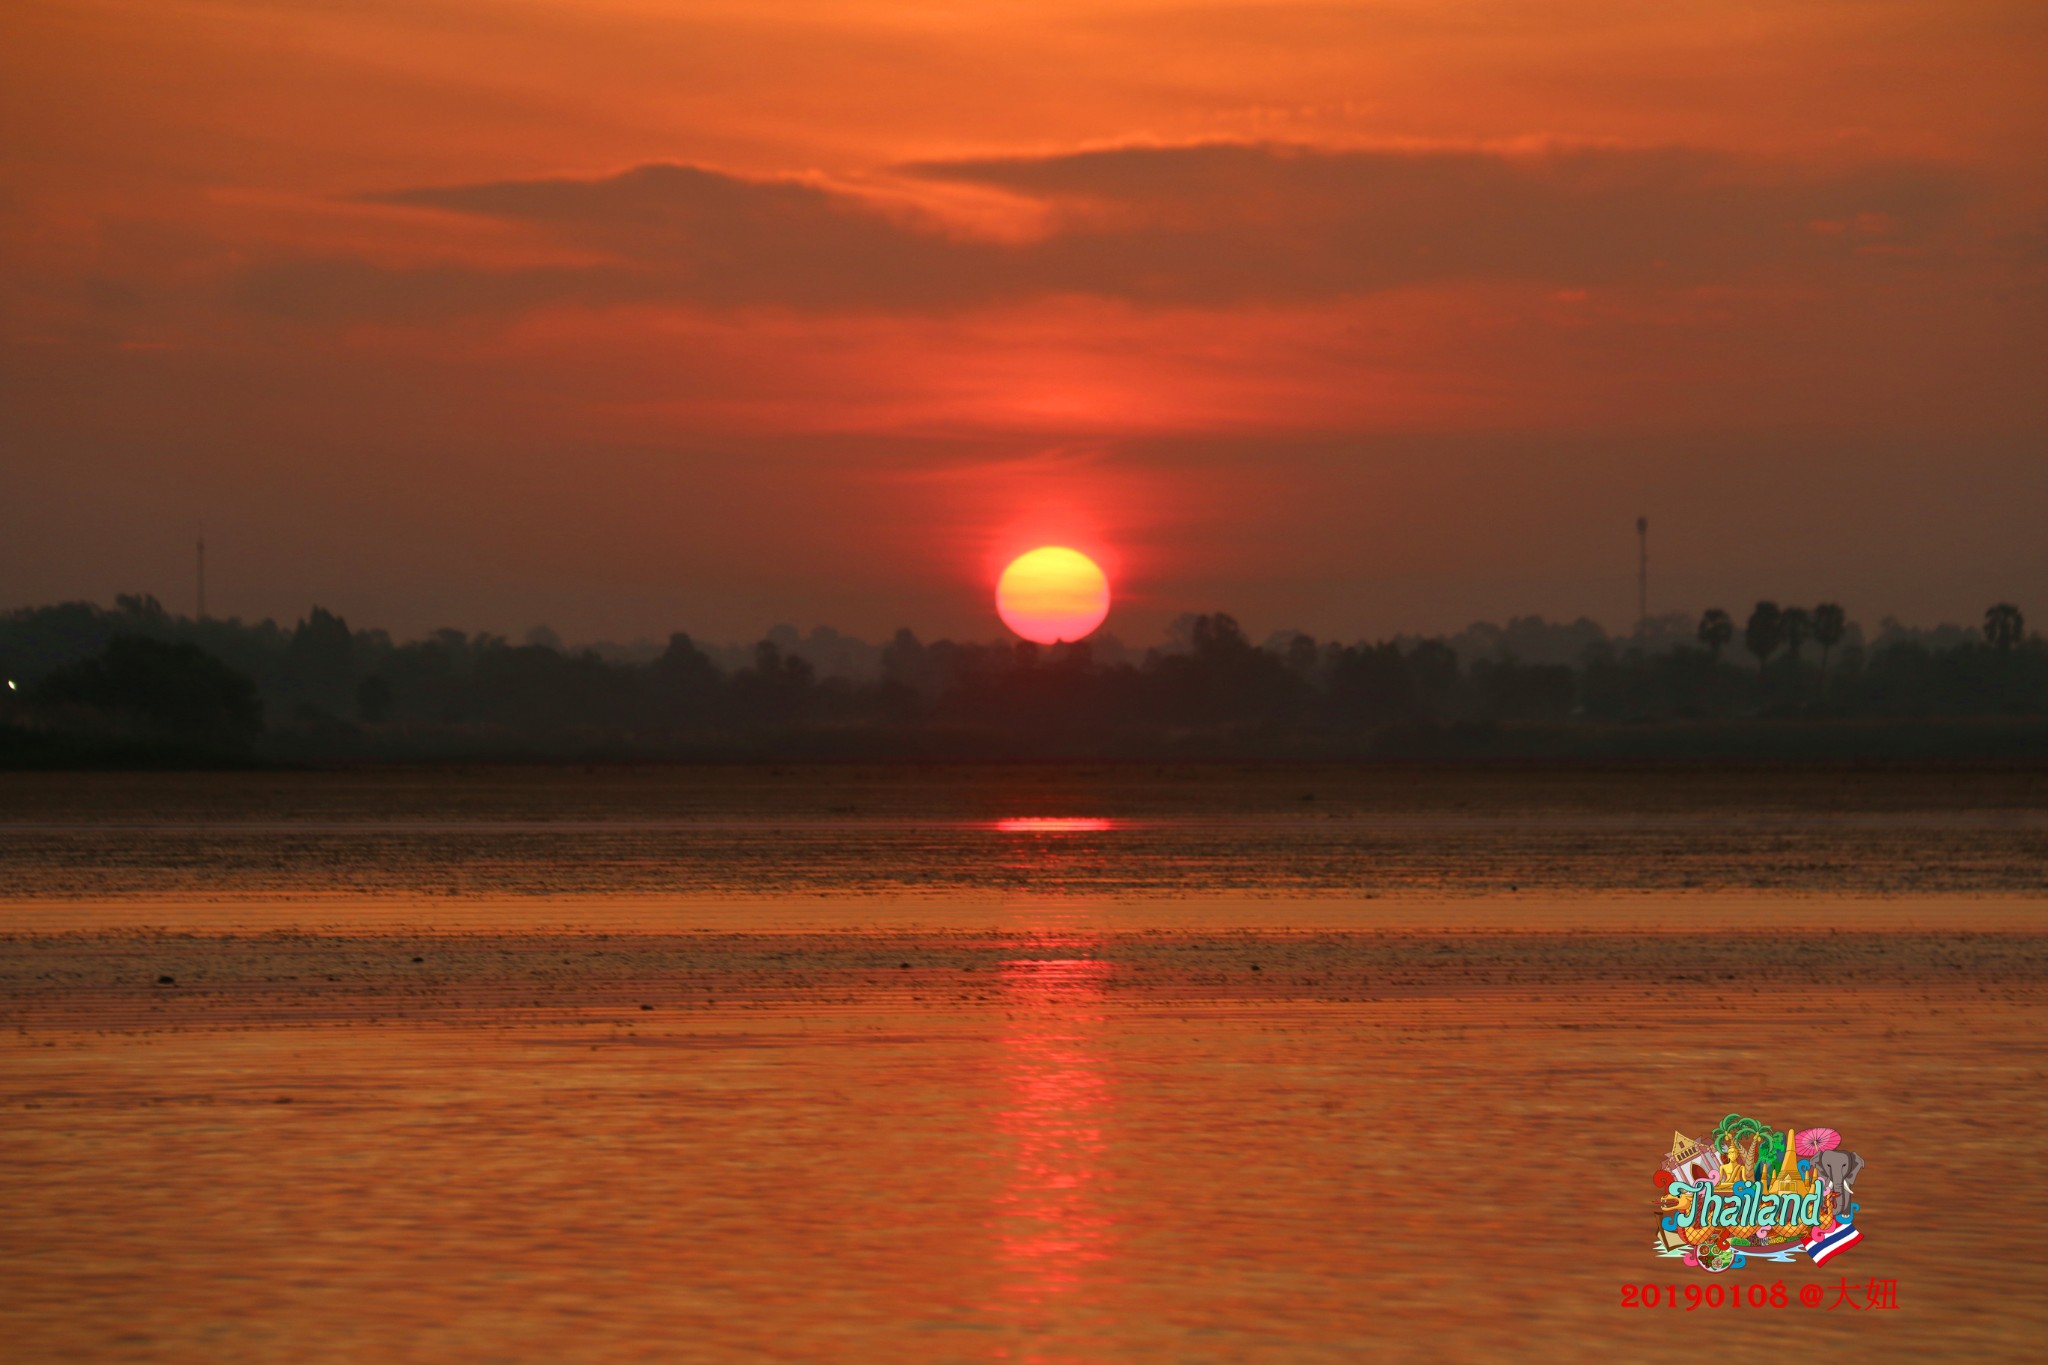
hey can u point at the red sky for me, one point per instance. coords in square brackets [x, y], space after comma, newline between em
[627, 316]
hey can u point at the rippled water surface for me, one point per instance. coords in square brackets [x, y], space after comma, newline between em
[1289, 1064]
[1263, 830]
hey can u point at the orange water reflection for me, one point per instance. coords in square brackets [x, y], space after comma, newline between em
[1053, 859]
[1054, 1229]
[1057, 824]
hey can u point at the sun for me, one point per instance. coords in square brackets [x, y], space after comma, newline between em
[1052, 594]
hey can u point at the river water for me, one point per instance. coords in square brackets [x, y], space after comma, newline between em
[1060, 1065]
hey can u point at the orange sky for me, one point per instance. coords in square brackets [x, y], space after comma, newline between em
[628, 317]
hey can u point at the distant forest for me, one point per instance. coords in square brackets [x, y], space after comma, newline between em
[135, 685]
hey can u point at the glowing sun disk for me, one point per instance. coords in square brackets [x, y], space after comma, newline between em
[1052, 594]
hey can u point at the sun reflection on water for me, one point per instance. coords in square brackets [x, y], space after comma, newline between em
[1054, 1231]
[1056, 824]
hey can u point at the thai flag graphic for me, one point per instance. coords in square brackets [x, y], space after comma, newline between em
[1823, 1245]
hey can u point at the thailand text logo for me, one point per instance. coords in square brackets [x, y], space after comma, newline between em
[1750, 1192]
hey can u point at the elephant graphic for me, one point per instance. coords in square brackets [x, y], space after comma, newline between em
[1836, 1170]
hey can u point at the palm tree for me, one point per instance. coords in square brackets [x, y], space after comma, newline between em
[1716, 630]
[1798, 627]
[2004, 626]
[1764, 633]
[1829, 621]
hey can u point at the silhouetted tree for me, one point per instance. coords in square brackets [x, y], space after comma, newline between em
[683, 668]
[904, 661]
[1517, 691]
[1434, 667]
[1829, 622]
[2004, 626]
[1716, 630]
[776, 688]
[143, 607]
[1218, 636]
[1764, 633]
[374, 698]
[1371, 684]
[1797, 627]
[321, 657]
[1211, 693]
[175, 692]
[1222, 678]
[1303, 658]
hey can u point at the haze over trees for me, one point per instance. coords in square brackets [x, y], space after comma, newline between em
[92, 680]
[1715, 631]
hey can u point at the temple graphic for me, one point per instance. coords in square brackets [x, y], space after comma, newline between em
[1786, 1180]
[1690, 1161]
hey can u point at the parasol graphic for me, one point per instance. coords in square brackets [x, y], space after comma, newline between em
[1813, 1141]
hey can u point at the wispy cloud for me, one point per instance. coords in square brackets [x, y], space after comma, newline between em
[1210, 225]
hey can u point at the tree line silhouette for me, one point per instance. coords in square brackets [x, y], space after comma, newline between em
[134, 680]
